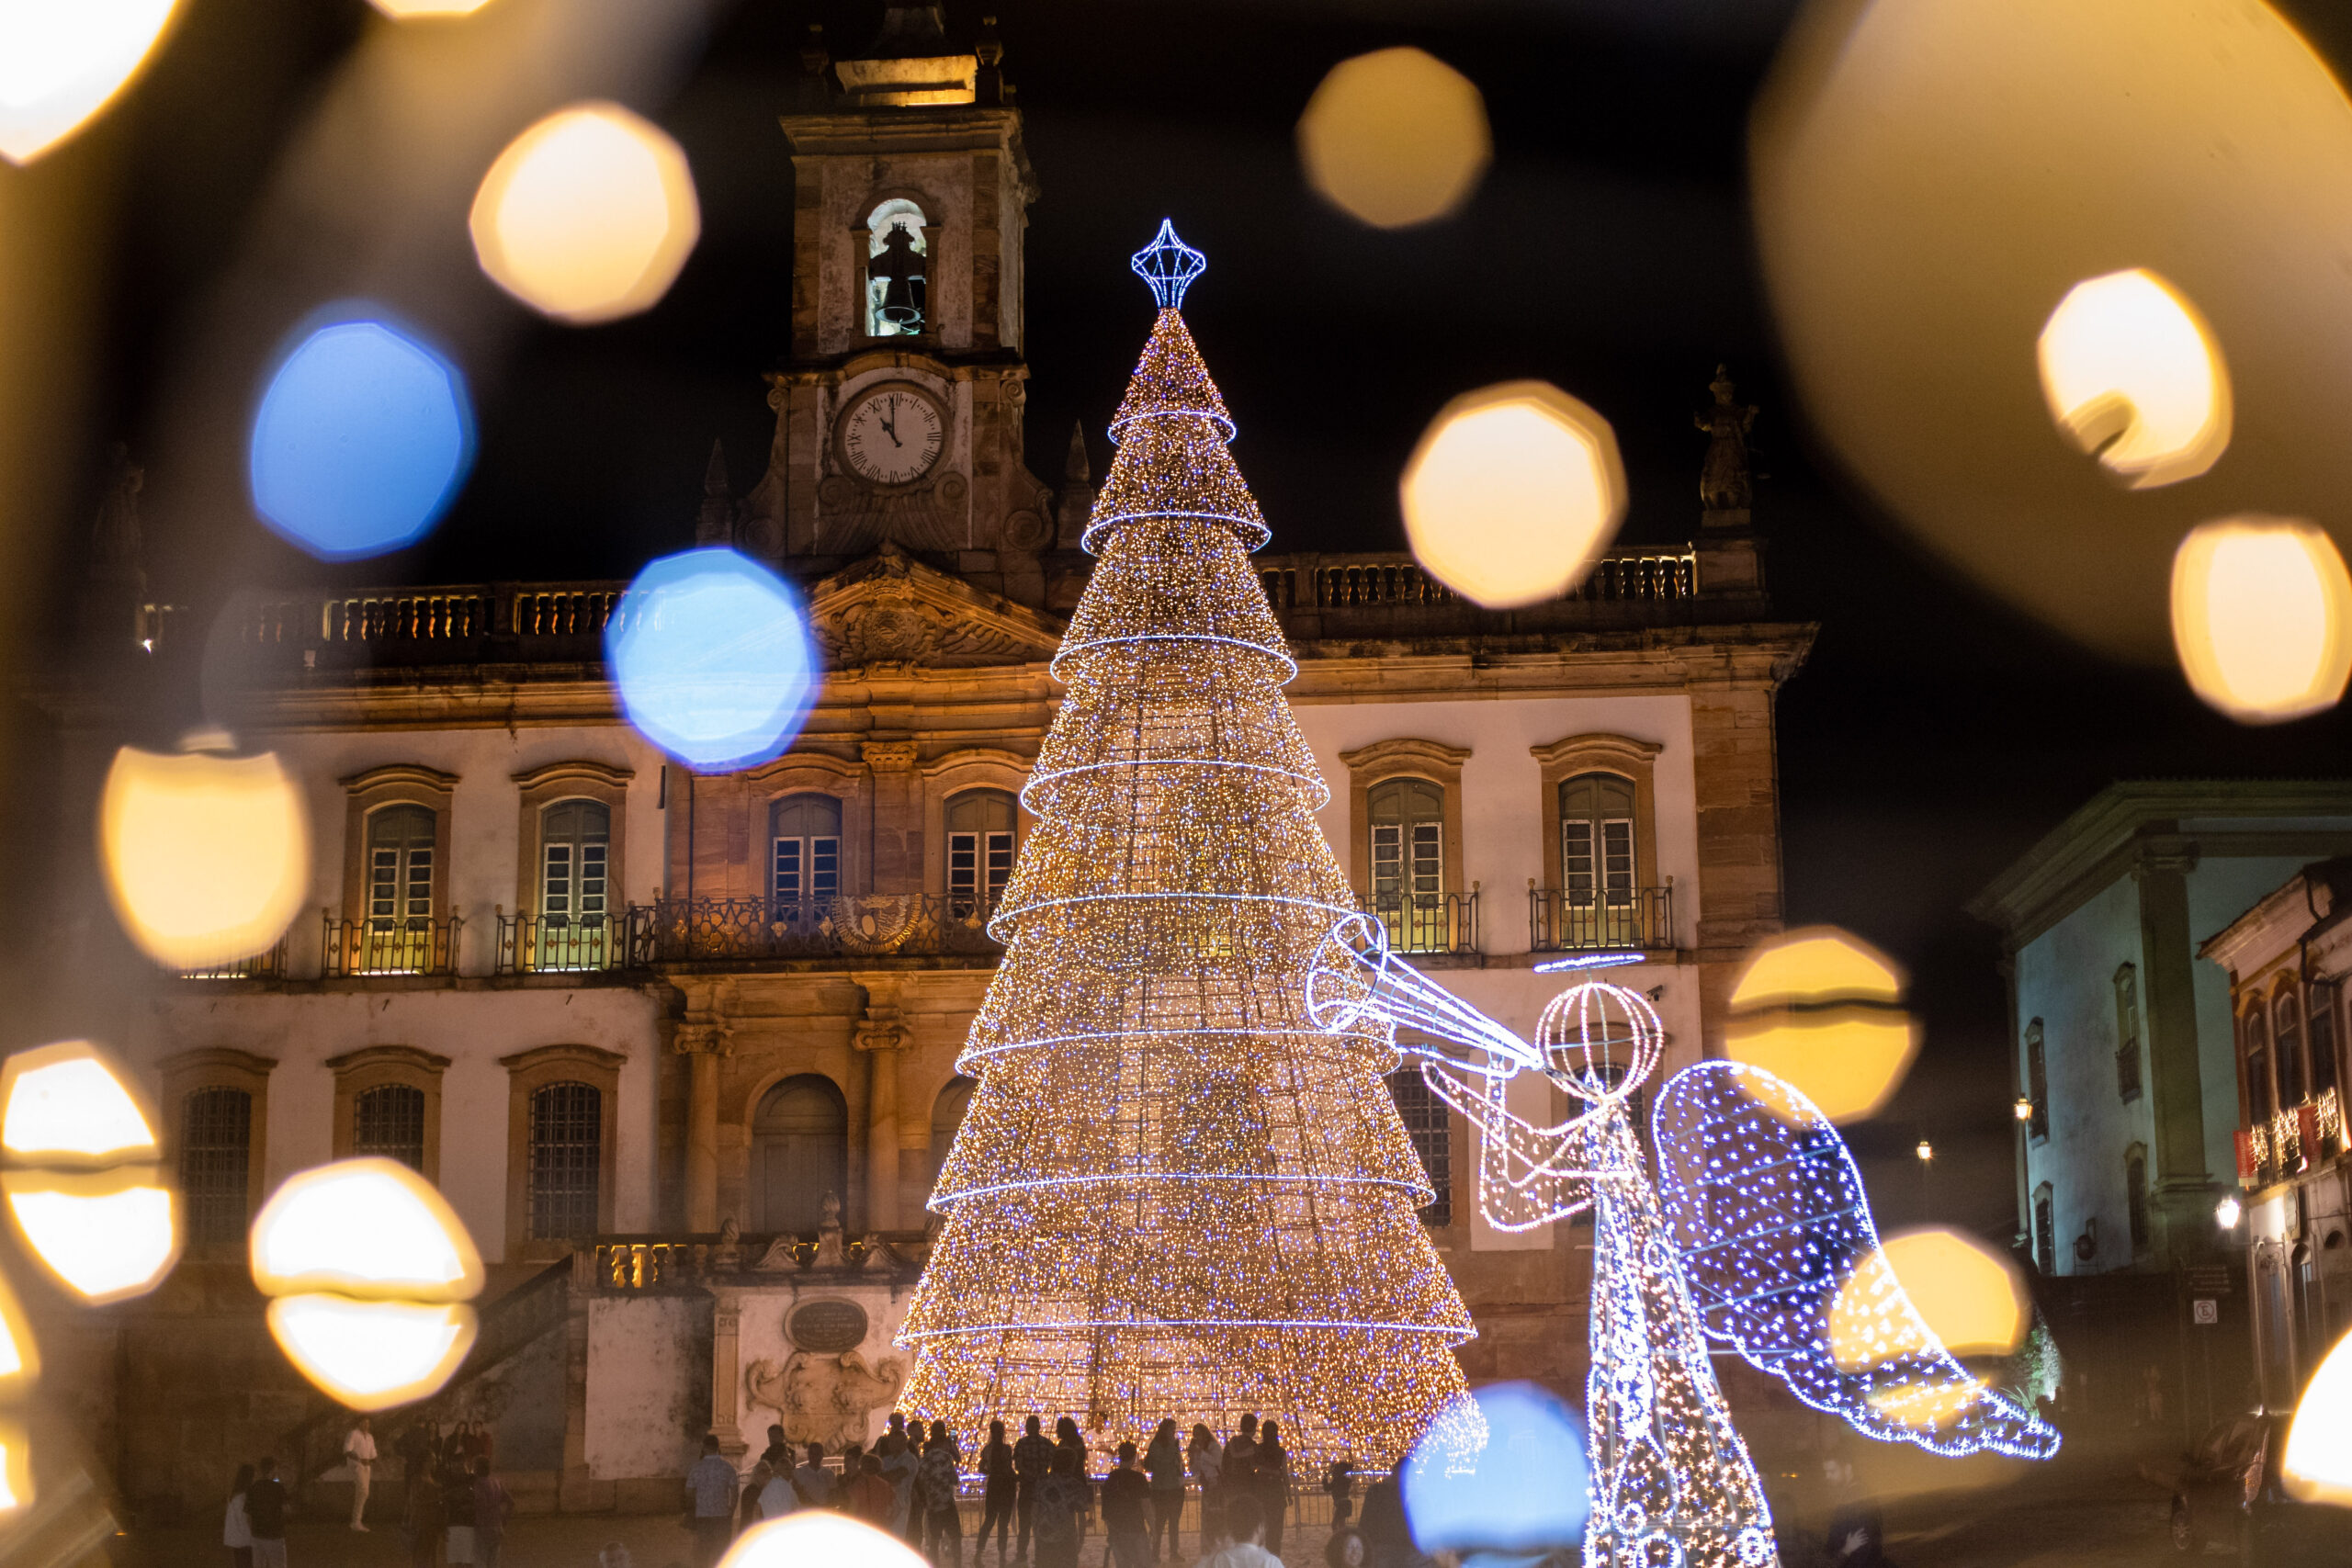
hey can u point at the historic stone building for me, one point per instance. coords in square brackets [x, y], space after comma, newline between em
[681, 1050]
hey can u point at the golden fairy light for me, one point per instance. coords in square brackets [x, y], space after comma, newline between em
[2261, 617]
[61, 64]
[2134, 376]
[1512, 491]
[2317, 1463]
[1175, 1195]
[369, 1270]
[83, 1176]
[1395, 137]
[1820, 1009]
[207, 857]
[588, 216]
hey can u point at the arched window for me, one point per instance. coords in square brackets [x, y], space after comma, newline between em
[1597, 876]
[1408, 843]
[216, 1154]
[400, 889]
[2287, 1046]
[2037, 1080]
[2259, 1103]
[947, 1114]
[898, 268]
[575, 852]
[804, 867]
[567, 1160]
[2045, 1230]
[799, 1153]
[388, 1120]
[1425, 1122]
[2135, 1194]
[2320, 1026]
[980, 824]
[2127, 1032]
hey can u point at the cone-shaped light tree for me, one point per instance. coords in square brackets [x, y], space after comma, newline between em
[1173, 1195]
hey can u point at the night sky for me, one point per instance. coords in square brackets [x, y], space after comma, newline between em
[1934, 734]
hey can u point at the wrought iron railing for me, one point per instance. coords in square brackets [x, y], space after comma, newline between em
[265, 965]
[532, 944]
[874, 925]
[390, 947]
[1393, 580]
[1559, 921]
[1424, 922]
[2294, 1140]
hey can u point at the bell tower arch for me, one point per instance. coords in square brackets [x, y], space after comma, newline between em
[898, 407]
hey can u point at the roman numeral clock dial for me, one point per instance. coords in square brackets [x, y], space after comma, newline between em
[892, 435]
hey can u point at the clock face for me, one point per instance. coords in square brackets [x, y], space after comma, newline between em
[892, 435]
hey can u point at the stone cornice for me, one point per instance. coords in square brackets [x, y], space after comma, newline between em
[1389, 672]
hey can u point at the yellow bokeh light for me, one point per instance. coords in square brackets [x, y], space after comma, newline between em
[401, 10]
[1817, 1008]
[106, 1237]
[813, 1537]
[1925, 1407]
[16, 1467]
[20, 1352]
[372, 1355]
[1816, 963]
[1512, 491]
[1395, 138]
[1969, 1295]
[2134, 376]
[207, 858]
[588, 216]
[2261, 617]
[65, 1104]
[2317, 1463]
[367, 1228]
[60, 62]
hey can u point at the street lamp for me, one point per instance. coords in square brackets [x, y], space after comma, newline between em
[2023, 1109]
[1925, 1151]
[2228, 1212]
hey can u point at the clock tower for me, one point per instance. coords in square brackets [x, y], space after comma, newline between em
[899, 412]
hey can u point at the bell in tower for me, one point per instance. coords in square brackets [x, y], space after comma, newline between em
[894, 277]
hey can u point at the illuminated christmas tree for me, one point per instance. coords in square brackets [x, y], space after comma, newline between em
[1173, 1194]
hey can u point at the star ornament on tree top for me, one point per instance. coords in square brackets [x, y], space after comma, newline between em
[1168, 266]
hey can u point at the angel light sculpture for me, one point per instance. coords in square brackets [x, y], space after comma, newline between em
[1757, 1236]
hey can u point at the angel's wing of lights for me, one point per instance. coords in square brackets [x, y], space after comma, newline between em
[1768, 1212]
[1529, 1173]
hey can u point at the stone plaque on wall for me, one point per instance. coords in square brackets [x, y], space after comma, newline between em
[827, 1327]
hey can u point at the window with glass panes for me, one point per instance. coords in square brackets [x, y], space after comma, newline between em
[2135, 1195]
[979, 848]
[2127, 1032]
[2045, 1230]
[388, 1121]
[2037, 1080]
[2287, 1047]
[806, 867]
[1597, 839]
[216, 1164]
[400, 867]
[566, 1162]
[2319, 1026]
[575, 845]
[1424, 1116]
[1408, 824]
[2259, 1103]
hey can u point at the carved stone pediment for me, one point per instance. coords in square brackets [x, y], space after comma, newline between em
[890, 609]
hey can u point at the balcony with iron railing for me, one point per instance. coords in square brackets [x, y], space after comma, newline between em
[856, 925]
[1424, 922]
[2290, 1141]
[532, 944]
[269, 964]
[1598, 920]
[353, 949]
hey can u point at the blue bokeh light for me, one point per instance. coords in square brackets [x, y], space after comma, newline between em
[712, 658]
[361, 440]
[1525, 1493]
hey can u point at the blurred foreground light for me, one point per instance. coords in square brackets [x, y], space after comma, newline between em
[587, 216]
[1931, 177]
[1961, 1297]
[370, 1270]
[1395, 137]
[83, 1186]
[1821, 1008]
[817, 1537]
[2133, 378]
[711, 655]
[361, 441]
[16, 1467]
[1512, 491]
[401, 10]
[1523, 1492]
[2317, 1463]
[2261, 617]
[61, 60]
[2227, 1211]
[207, 858]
